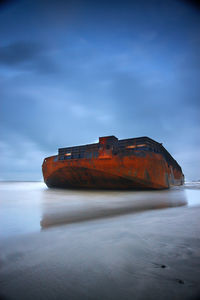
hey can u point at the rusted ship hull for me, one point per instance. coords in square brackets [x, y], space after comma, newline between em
[112, 164]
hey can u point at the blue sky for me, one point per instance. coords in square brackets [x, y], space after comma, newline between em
[71, 71]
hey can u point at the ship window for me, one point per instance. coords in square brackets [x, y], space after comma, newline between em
[68, 154]
[88, 154]
[75, 155]
[81, 155]
[95, 154]
[131, 146]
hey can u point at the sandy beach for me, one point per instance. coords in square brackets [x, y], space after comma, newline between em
[57, 244]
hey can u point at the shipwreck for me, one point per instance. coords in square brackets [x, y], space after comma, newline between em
[135, 163]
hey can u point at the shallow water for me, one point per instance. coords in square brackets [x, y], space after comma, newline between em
[67, 244]
[30, 206]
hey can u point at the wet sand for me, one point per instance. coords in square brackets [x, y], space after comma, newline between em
[57, 244]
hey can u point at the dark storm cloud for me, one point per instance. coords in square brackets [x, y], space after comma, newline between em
[19, 52]
[194, 3]
[26, 55]
[5, 2]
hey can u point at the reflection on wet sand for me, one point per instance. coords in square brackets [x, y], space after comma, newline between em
[68, 206]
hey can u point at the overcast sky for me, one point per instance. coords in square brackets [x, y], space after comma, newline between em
[71, 71]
